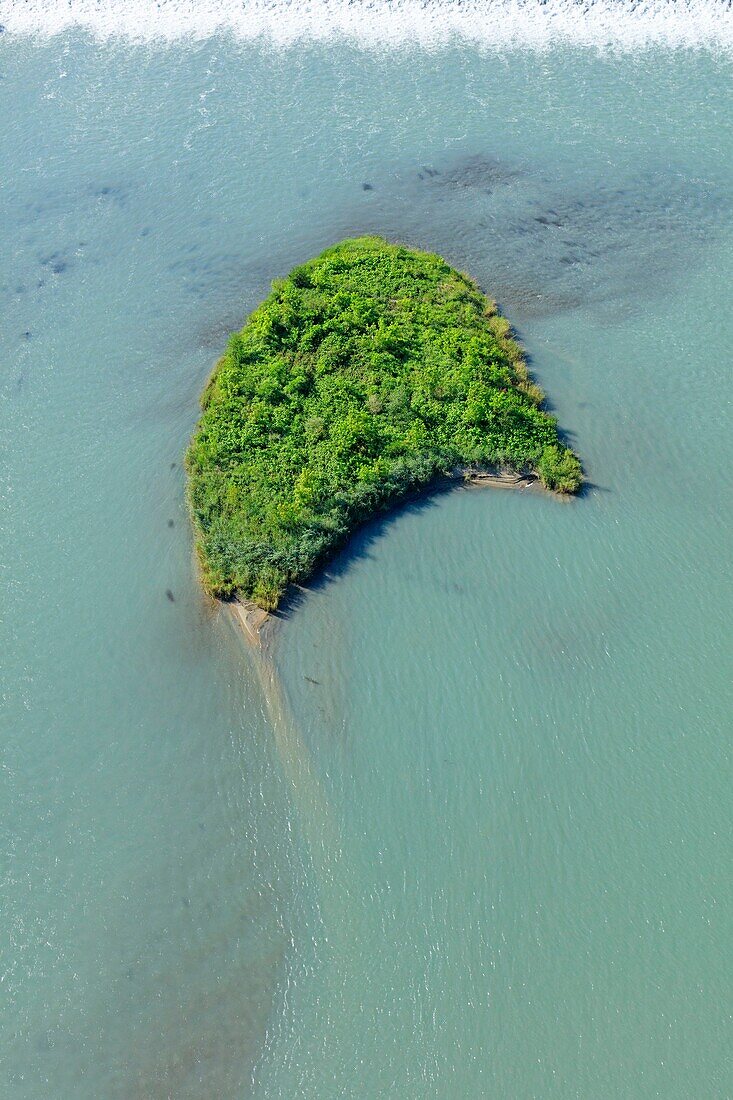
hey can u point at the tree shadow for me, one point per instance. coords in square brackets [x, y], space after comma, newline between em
[590, 488]
[357, 544]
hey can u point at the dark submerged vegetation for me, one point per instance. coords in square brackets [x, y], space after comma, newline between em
[367, 372]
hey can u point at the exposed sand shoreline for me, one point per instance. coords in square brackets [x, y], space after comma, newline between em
[505, 480]
[255, 623]
[251, 619]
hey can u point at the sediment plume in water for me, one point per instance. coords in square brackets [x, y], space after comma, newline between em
[311, 806]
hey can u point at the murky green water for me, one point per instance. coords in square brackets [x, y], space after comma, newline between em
[488, 852]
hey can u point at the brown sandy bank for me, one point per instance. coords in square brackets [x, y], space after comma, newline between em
[251, 620]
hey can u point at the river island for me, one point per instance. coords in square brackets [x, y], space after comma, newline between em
[370, 373]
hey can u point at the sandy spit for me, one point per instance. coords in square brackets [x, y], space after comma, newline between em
[251, 620]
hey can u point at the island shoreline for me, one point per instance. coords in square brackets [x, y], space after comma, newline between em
[344, 394]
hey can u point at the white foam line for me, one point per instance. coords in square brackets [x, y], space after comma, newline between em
[491, 24]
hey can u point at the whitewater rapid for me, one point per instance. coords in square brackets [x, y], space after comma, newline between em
[626, 25]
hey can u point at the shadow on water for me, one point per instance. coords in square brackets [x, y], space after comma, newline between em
[359, 544]
[590, 488]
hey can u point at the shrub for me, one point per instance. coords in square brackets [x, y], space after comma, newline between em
[560, 469]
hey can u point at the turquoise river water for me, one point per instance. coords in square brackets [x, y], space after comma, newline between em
[487, 852]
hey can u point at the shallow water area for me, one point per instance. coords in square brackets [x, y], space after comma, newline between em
[470, 837]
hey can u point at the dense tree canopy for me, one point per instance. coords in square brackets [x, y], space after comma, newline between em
[367, 372]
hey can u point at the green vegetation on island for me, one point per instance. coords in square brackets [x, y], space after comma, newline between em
[367, 372]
